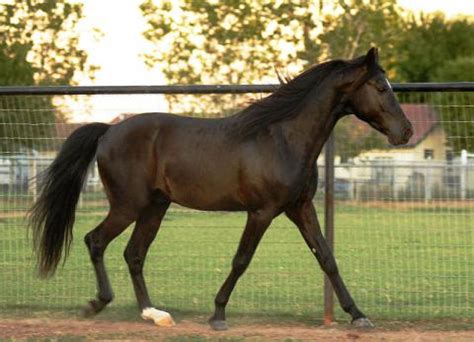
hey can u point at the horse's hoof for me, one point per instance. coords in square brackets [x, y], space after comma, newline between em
[218, 325]
[89, 310]
[159, 317]
[363, 323]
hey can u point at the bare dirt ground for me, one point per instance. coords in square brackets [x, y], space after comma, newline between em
[67, 329]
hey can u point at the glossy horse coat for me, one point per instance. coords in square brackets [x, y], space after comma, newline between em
[261, 160]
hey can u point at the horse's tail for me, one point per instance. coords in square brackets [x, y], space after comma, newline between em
[52, 216]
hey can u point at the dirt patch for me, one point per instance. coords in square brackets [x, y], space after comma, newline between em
[190, 330]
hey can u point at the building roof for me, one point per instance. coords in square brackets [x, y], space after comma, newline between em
[121, 117]
[64, 129]
[423, 118]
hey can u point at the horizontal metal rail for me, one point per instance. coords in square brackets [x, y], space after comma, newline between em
[206, 89]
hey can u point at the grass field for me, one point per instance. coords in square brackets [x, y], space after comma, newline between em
[399, 262]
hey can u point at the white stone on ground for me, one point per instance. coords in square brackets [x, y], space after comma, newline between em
[161, 318]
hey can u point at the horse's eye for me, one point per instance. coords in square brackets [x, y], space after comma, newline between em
[381, 87]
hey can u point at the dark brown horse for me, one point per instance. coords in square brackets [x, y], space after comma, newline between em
[261, 160]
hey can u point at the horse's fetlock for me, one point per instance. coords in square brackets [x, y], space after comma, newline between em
[349, 308]
[220, 301]
[107, 298]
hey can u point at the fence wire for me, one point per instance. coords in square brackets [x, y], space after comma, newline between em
[404, 233]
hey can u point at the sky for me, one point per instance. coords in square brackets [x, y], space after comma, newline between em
[118, 50]
[449, 7]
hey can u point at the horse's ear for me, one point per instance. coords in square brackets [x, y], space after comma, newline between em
[372, 56]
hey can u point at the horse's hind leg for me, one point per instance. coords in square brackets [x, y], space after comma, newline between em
[97, 241]
[145, 231]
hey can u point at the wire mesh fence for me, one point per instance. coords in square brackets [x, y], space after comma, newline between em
[403, 237]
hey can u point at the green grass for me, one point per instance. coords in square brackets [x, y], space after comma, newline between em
[407, 265]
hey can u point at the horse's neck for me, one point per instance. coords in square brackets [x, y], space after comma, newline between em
[308, 131]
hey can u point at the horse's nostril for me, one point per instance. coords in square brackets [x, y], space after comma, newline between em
[408, 133]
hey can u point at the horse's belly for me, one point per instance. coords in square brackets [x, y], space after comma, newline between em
[210, 180]
[205, 198]
[201, 191]
[220, 204]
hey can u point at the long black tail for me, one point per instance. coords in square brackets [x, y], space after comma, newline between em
[52, 216]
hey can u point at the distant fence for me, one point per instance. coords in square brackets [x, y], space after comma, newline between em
[391, 181]
[371, 180]
[393, 209]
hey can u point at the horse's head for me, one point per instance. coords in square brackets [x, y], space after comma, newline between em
[370, 97]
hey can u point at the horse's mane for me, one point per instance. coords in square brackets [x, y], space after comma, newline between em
[288, 99]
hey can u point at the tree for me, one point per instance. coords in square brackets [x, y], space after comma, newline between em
[243, 41]
[428, 43]
[440, 50]
[234, 41]
[356, 26]
[460, 69]
[230, 41]
[38, 46]
[361, 24]
[40, 34]
[456, 108]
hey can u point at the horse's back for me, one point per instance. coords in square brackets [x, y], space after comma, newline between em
[187, 159]
[197, 163]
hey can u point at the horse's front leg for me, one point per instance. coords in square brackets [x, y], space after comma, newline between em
[305, 218]
[257, 224]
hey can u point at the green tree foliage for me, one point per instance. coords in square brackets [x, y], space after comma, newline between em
[457, 109]
[38, 45]
[460, 69]
[39, 36]
[360, 24]
[428, 43]
[229, 42]
[349, 33]
[243, 41]
[440, 50]
[234, 41]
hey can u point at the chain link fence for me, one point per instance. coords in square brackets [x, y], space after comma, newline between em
[404, 237]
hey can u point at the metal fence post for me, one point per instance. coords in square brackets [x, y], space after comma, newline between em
[329, 223]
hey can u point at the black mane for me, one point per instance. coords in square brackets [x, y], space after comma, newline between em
[288, 99]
